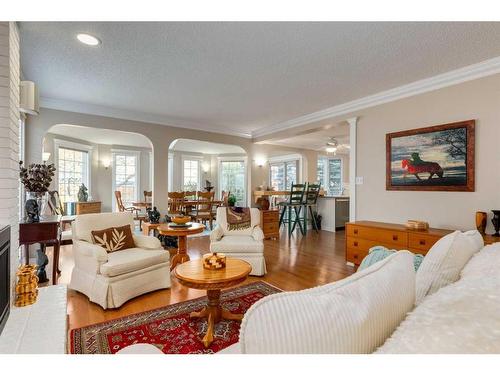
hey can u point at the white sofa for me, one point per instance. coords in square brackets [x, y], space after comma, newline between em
[111, 279]
[245, 244]
[360, 313]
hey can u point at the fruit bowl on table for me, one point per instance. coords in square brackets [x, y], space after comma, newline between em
[181, 220]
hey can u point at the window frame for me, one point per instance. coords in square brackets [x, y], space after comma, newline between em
[325, 184]
[137, 155]
[243, 159]
[196, 158]
[297, 158]
[89, 149]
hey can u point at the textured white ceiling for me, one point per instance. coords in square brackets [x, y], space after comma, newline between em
[101, 136]
[191, 145]
[240, 77]
[316, 140]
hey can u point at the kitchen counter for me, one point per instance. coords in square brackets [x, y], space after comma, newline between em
[334, 211]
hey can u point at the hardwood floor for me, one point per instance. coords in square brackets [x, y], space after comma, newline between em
[302, 263]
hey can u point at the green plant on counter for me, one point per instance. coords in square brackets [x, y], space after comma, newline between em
[231, 201]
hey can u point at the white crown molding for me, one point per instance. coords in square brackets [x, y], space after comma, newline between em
[468, 73]
[93, 109]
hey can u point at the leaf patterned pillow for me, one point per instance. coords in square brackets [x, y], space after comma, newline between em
[114, 238]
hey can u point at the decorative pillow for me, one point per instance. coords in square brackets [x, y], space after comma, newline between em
[443, 263]
[354, 315]
[377, 253]
[476, 238]
[114, 238]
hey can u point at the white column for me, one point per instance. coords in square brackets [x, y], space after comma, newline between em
[352, 167]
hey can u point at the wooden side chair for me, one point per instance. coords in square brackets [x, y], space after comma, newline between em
[134, 210]
[291, 209]
[175, 203]
[204, 211]
[310, 202]
[56, 208]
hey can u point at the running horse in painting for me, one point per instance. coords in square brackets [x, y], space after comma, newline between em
[415, 165]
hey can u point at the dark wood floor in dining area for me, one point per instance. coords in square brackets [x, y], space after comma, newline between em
[302, 262]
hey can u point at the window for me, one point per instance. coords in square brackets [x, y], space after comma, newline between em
[233, 178]
[283, 174]
[126, 175]
[330, 175]
[72, 171]
[190, 174]
[170, 182]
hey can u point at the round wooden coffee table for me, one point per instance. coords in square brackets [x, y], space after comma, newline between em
[181, 233]
[193, 275]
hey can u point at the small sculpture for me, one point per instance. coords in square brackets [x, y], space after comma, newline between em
[208, 186]
[31, 207]
[496, 222]
[153, 215]
[83, 195]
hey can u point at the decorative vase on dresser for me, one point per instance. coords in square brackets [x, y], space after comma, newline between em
[481, 220]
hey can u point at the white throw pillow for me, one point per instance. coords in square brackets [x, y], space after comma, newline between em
[443, 263]
[354, 315]
[476, 238]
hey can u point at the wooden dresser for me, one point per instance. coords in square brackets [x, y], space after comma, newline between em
[270, 223]
[88, 208]
[362, 235]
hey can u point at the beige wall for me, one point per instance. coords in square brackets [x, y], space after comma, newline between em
[479, 100]
[101, 179]
[161, 137]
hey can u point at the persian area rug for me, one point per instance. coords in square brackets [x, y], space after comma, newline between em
[169, 328]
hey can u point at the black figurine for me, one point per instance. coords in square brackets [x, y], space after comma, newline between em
[154, 215]
[496, 222]
[32, 210]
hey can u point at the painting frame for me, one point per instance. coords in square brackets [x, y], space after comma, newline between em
[469, 186]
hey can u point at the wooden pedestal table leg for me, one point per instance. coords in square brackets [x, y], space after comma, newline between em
[55, 265]
[214, 313]
[182, 255]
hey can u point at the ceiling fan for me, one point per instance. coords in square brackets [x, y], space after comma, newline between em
[332, 146]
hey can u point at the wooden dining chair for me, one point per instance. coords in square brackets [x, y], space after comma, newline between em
[224, 197]
[204, 210]
[148, 196]
[175, 203]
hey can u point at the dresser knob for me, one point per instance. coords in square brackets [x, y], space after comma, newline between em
[355, 243]
[422, 242]
[355, 256]
[394, 238]
[355, 231]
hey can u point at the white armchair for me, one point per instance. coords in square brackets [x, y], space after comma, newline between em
[246, 244]
[111, 279]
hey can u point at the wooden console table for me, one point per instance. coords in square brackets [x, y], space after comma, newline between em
[363, 235]
[44, 232]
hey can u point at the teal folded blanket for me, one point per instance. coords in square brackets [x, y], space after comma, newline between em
[377, 253]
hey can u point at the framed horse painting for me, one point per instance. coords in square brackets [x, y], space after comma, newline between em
[432, 158]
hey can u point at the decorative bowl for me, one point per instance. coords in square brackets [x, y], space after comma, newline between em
[214, 261]
[181, 219]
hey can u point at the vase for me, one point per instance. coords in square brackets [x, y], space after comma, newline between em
[496, 222]
[481, 218]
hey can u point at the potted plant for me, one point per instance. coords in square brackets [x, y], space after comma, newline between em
[231, 201]
[36, 179]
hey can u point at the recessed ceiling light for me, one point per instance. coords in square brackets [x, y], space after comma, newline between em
[88, 39]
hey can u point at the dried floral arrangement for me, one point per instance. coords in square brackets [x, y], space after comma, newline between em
[36, 177]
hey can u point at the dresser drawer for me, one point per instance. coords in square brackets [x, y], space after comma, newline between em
[421, 243]
[270, 216]
[389, 237]
[360, 244]
[272, 227]
[88, 208]
[355, 255]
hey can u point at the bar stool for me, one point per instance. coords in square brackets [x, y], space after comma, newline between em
[290, 210]
[310, 202]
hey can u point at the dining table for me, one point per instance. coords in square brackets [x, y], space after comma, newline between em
[188, 204]
[142, 204]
